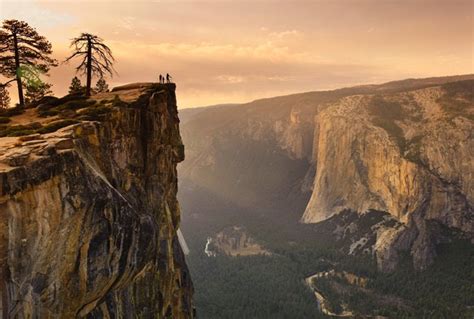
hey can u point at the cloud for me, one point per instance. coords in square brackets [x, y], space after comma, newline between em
[34, 14]
[286, 34]
[267, 51]
[127, 23]
[231, 79]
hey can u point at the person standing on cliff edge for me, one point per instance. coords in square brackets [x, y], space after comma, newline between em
[168, 78]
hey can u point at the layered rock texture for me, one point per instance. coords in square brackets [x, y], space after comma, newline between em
[234, 241]
[405, 148]
[89, 215]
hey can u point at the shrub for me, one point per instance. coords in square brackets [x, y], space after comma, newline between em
[45, 110]
[76, 104]
[56, 125]
[68, 98]
[46, 113]
[4, 120]
[11, 111]
[44, 100]
[19, 130]
[95, 113]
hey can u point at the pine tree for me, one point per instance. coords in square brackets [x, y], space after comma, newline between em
[4, 97]
[76, 86]
[102, 86]
[36, 92]
[21, 47]
[96, 57]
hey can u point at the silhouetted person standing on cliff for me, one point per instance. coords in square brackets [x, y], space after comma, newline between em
[168, 78]
[161, 78]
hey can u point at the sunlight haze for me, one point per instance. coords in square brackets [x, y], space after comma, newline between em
[238, 51]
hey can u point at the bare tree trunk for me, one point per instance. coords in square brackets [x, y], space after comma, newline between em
[18, 75]
[89, 67]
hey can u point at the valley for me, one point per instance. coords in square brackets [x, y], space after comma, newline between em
[352, 181]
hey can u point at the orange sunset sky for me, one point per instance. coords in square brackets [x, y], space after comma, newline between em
[224, 51]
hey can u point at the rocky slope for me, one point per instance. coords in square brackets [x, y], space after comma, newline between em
[403, 147]
[88, 213]
[233, 241]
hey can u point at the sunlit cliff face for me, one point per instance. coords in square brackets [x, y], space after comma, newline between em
[234, 51]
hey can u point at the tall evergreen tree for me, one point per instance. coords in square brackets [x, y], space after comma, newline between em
[97, 58]
[101, 86]
[76, 86]
[4, 97]
[36, 92]
[22, 46]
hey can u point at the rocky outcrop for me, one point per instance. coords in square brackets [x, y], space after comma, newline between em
[234, 241]
[409, 154]
[89, 215]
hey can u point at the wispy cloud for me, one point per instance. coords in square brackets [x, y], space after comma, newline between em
[34, 13]
[229, 50]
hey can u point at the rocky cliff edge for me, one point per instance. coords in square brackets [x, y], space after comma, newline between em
[88, 212]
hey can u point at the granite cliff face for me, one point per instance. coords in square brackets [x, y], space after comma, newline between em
[409, 154]
[404, 148]
[89, 215]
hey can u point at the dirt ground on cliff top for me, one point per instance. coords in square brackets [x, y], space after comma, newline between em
[30, 116]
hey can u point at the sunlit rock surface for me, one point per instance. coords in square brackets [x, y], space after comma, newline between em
[233, 241]
[409, 154]
[404, 147]
[89, 216]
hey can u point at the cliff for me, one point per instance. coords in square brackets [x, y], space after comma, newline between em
[404, 148]
[408, 154]
[88, 212]
[234, 241]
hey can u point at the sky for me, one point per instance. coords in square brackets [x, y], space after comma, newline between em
[223, 51]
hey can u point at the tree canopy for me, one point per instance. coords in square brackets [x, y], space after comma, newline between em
[96, 57]
[22, 49]
[36, 92]
[101, 86]
[76, 86]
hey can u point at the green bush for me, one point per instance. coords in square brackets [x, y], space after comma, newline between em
[45, 110]
[76, 104]
[44, 100]
[68, 98]
[4, 120]
[46, 113]
[19, 130]
[95, 113]
[56, 125]
[50, 103]
[11, 111]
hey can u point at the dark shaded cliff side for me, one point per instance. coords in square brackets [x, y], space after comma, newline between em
[89, 215]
